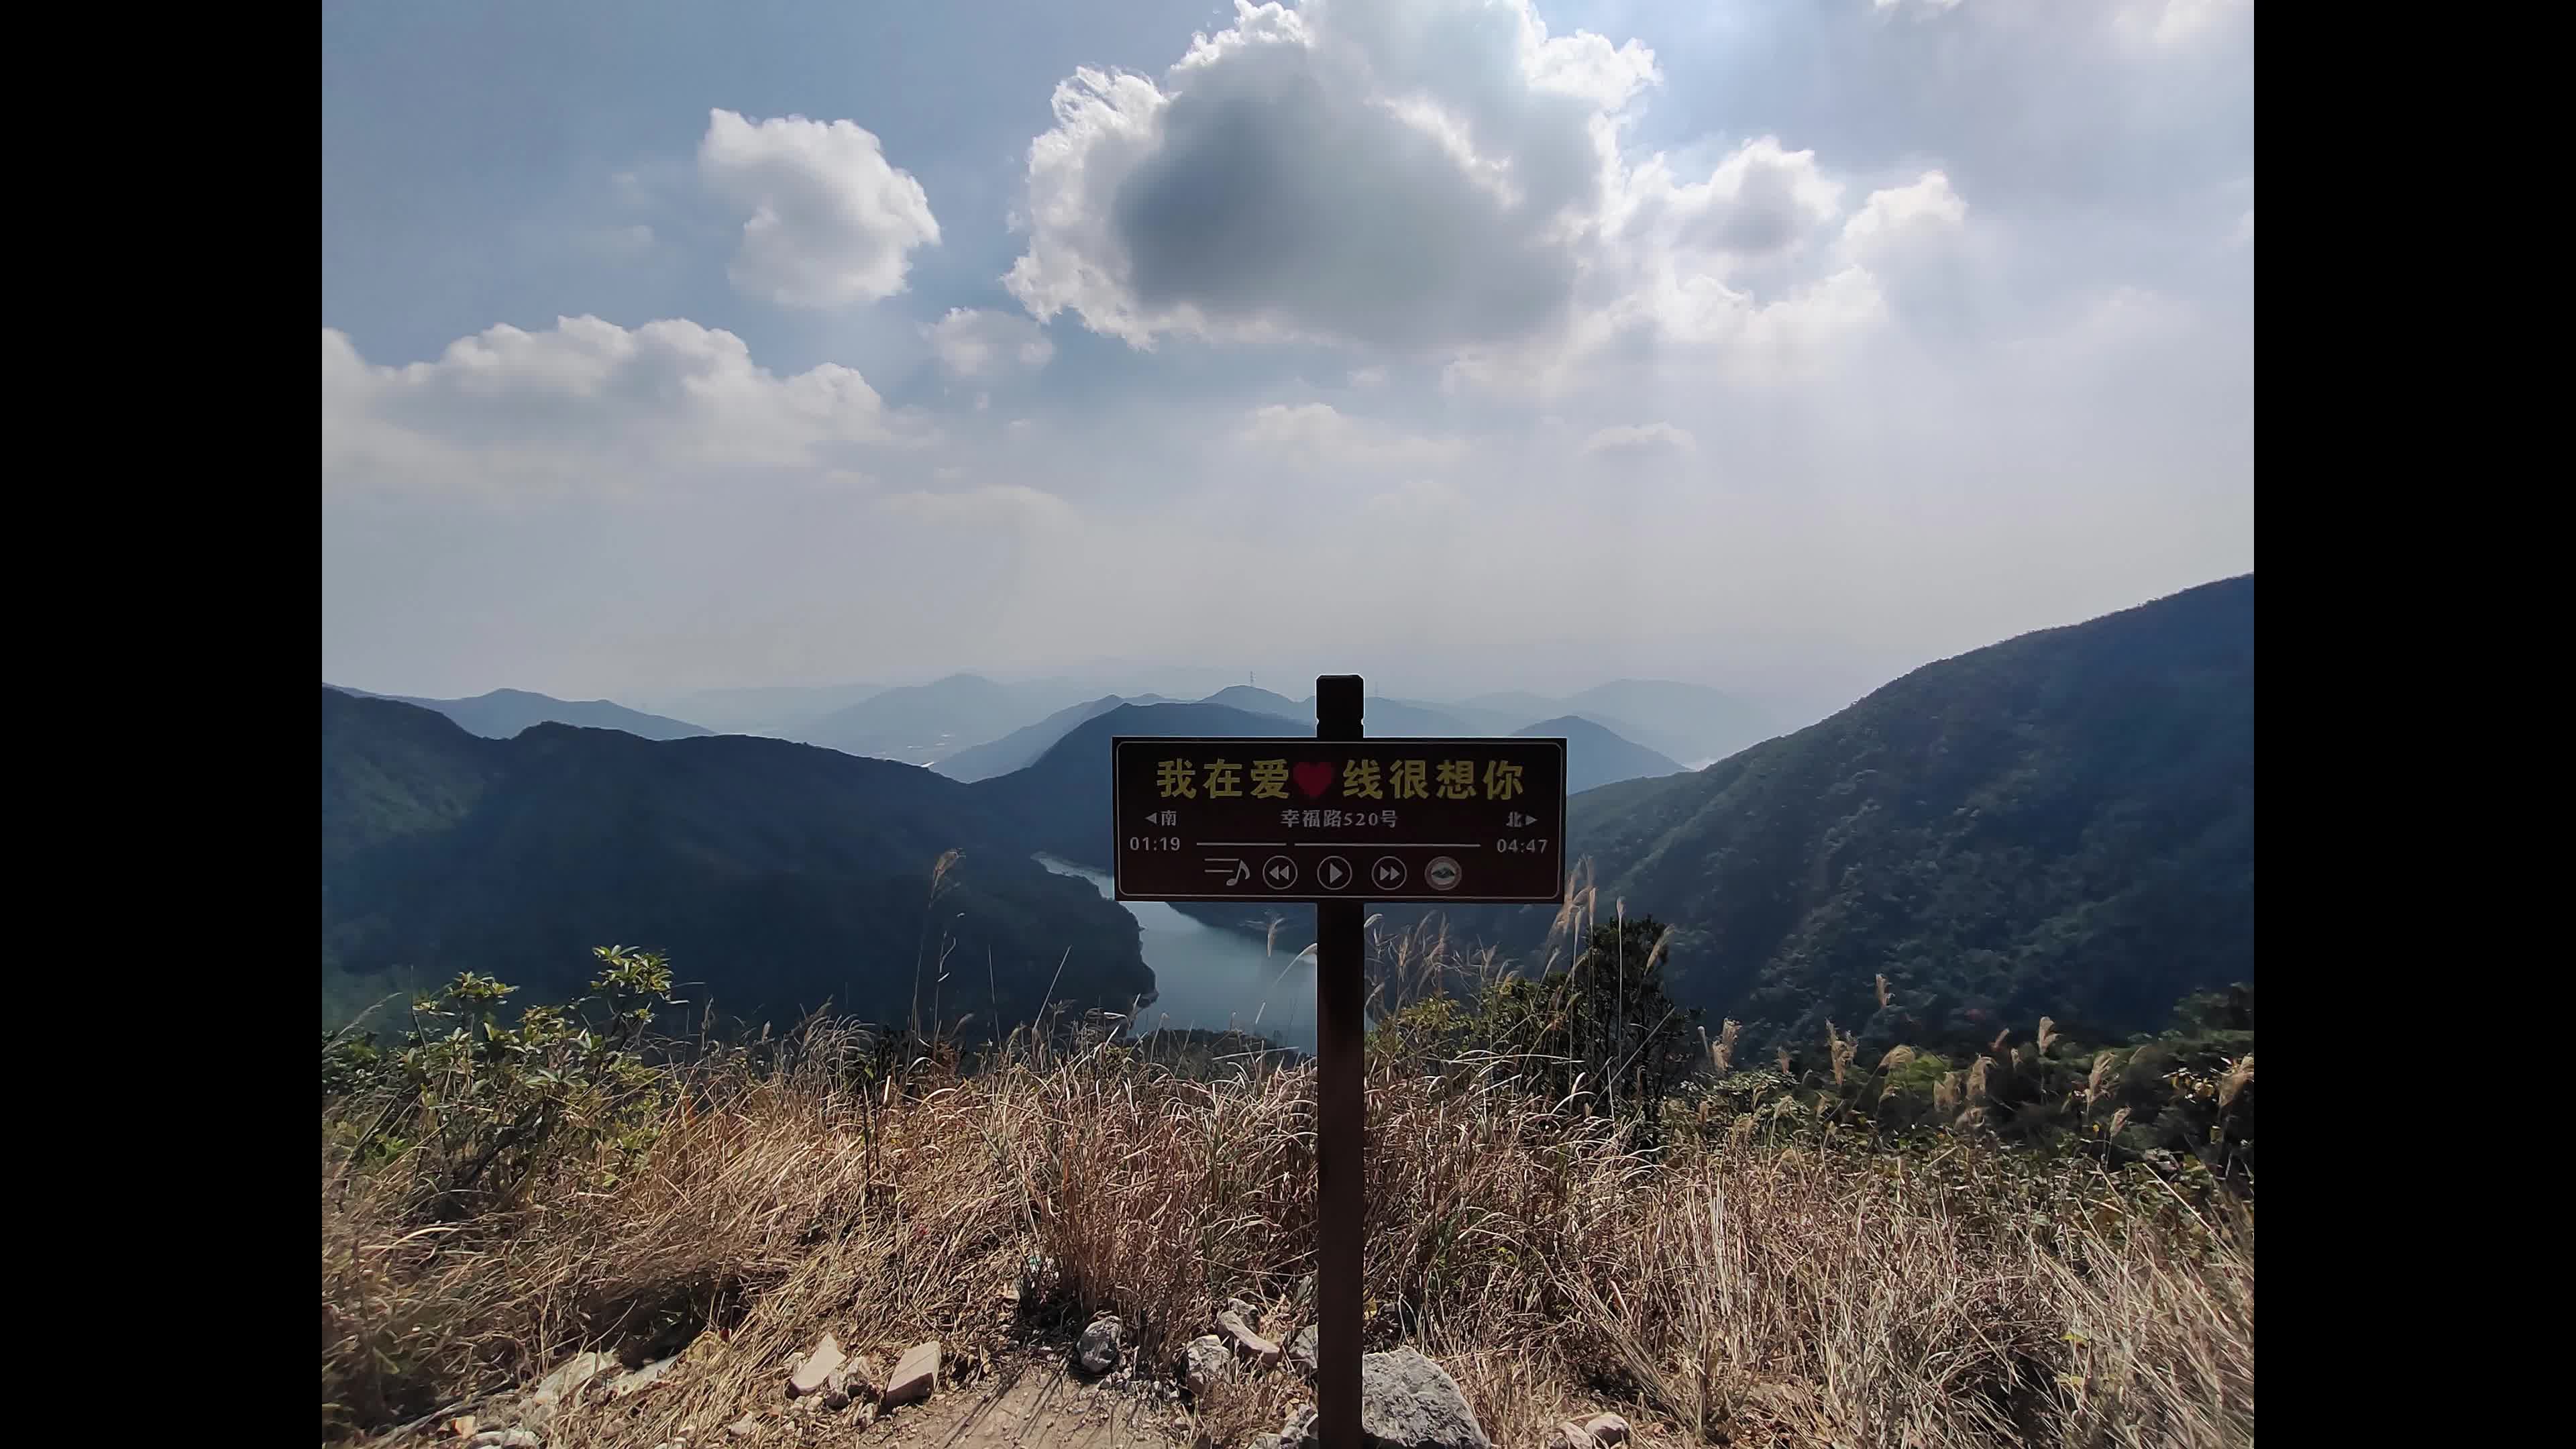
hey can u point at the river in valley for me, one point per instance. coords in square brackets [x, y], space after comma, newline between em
[1215, 978]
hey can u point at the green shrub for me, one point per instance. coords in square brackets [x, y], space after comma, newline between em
[478, 1110]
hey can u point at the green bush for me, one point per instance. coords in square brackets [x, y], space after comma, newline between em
[478, 1110]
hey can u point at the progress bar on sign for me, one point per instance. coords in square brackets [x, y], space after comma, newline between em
[1338, 844]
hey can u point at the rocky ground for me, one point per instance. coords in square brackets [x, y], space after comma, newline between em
[1092, 1394]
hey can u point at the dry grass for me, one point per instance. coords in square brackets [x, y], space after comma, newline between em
[1730, 1288]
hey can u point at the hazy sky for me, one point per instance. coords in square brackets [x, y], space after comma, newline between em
[1461, 343]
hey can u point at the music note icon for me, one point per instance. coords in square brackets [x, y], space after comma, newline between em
[1242, 872]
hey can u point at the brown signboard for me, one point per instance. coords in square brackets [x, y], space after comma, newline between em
[1394, 819]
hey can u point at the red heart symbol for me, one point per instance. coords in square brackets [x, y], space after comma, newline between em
[1314, 777]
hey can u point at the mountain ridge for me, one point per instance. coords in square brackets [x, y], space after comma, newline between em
[778, 873]
[503, 713]
[2060, 822]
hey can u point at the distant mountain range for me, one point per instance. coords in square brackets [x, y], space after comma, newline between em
[1594, 756]
[772, 710]
[1264, 701]
[505, 712]
[1689, 722]
[1021, 747]
[2061, 823]
[1061, 801]
[971, 727]
[924, 723]
[775, 874]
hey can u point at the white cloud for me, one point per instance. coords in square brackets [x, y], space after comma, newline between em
[1444, 179]
[1774, 261]
[1762, 200]
[971, 343]
[586, 402]
[2133, 314]
[1323, 433]
[2171, 25]
[832, 223]
[2108, 324]
[1639, 440]
[996, 505]
[2243, 234]
[1406, 176]
[1896, 215]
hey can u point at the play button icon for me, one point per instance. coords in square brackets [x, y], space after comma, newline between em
[1279, 872]
[1389, 873]
[1334, 873]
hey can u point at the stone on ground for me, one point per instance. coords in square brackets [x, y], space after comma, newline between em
[638, 1380]
[816, 1369]
[1205, 1364]
[1244, 1340]
[1406, 1402]
[1607, 1429]
[507, 1439]
[854, 1381]
[1100, 1345]
[915, 1376]
[1301, 1349]
[562, 1384]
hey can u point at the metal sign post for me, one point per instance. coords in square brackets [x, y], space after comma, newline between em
[1341, 1109]
[1339, 820]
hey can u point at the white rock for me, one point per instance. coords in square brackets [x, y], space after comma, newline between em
[1607, 1429]
[915, 1376]
[641, 1379]
[567, 1380]
[816, 1369]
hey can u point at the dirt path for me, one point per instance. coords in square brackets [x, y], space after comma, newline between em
[1032, 1404]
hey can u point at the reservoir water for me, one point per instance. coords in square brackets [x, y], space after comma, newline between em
[1214, 978]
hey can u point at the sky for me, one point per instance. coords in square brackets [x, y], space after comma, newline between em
[1464, 344]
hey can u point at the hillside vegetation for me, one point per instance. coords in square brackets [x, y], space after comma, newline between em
[2059, 824]
[1817, 1249]
[2062, 823]
[788, 876]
